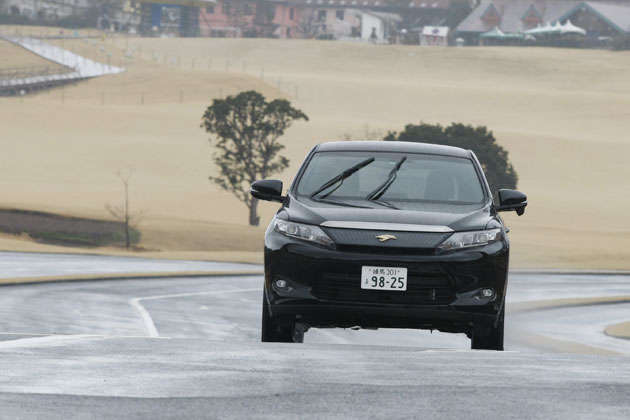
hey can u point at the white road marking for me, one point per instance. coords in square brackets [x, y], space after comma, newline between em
[146, 318]
[39, 341]
[148, 321]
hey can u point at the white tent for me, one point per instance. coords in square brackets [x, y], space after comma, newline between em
[540, 29]
[570, 28]
[556, 28]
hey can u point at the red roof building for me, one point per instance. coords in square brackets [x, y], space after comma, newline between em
[309, 18]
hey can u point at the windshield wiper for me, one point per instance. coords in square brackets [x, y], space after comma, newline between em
[385, 203]
[380, 190]
[337, 202]
[339, 178]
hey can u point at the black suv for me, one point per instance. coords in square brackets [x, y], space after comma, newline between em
[387, 235]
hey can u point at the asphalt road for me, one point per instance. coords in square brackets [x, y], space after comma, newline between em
[141, 378]
[22, 264]
[188, 348]
[228, 309]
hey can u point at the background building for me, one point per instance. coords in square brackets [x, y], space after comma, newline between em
[103, 14]
[331, 19]
[46, 9]
[599, 18]
[174, 17]
[436, 36]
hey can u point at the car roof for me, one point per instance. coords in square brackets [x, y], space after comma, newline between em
[392, 146]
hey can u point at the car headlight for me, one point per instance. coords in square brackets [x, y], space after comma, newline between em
[306, 232]
[460, 240]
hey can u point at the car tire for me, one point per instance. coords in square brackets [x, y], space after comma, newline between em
[493, 340]
[273, 331]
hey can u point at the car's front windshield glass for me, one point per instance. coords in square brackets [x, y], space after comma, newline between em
[421, 182]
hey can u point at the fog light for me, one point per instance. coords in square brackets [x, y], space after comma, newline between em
[487, 293]
[281, 284]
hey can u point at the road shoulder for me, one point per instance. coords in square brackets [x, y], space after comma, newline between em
[126, 276]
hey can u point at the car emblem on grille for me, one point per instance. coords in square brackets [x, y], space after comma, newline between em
[383, 238]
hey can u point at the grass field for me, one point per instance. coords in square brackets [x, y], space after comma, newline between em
[562, 114]
[12, 56]
[54, 229]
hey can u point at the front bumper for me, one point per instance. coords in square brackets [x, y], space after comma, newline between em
[443, 290]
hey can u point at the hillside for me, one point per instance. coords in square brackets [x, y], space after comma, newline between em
[562, 115]
[12, 56]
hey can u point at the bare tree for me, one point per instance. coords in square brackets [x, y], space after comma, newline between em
[368, 134]
[309, 26]
[263, 18]
[235, 11]
[122, 212]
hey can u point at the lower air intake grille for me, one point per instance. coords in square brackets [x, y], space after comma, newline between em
[420, 291]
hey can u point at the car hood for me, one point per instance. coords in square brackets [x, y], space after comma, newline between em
[458, 218]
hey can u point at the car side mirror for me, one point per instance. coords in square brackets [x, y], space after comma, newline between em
[267, 189]
[512, 200]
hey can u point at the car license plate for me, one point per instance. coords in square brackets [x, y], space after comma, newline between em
[384, 278]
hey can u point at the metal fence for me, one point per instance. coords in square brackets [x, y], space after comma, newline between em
[125, 51]
[19, 81]
[75, 68]
[30, 71]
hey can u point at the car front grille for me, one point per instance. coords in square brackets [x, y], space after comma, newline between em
[403, 240]
[385, 250]
[429, 290]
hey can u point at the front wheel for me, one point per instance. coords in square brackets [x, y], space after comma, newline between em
[493, 340]
[274, 331]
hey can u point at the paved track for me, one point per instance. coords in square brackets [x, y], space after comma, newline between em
[136, 378]
[105, 360]
[20, 264]
[228, 309]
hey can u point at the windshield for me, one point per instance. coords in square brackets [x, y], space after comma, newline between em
[422, 182]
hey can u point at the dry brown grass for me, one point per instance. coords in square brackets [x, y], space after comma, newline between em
[12, 56]
[621, 330]
[562, 114]
[62, 230]
[26, 244]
